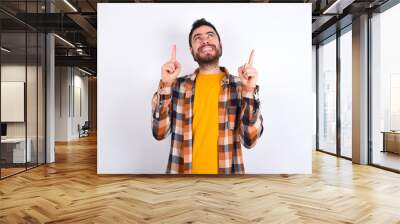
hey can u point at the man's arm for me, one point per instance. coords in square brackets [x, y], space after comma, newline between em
[161, 111]
[251, 121]
[250, 125]
[161, 102]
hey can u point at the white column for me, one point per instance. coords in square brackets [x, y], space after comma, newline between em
[50, 110]
[50, 92]
[360, 90]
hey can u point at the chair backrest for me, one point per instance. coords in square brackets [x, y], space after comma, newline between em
[86, 125]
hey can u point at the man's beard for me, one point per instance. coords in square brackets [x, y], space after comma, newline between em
[208, 59]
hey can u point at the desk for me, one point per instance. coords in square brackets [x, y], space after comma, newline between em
[15, 148]
[391, 141]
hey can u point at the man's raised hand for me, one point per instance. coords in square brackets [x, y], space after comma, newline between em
[248, 74]
[171, 69]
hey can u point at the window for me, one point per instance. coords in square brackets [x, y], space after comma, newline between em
[385, 88]
[346, 93]
[327, 96]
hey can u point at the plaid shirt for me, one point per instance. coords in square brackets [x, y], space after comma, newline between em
[240, 122]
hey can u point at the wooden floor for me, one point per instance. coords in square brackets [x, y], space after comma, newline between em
[70, 191]
[5, 172]
[9, 171]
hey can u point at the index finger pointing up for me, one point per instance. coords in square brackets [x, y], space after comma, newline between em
[251, 58]
[173, 53]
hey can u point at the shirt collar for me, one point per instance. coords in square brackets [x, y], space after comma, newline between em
[224, 80]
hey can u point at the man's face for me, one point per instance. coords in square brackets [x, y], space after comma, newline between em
[206, 47]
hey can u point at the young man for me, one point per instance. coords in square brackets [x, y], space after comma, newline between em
[210, 112]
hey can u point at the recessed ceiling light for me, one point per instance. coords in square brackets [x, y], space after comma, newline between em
[70, 5]
[84, 71]
[5, 50]
[64, 40]
[337, 7]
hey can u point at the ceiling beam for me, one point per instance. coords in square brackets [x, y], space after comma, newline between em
[337, 7]
[84, 61]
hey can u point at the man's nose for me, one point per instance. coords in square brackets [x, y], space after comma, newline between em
[204, 41]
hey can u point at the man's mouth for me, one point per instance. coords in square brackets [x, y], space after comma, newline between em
[206, 48]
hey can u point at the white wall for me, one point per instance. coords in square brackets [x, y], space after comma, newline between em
[129, 62]
[61, 103]
[68, 81]
[80, 84]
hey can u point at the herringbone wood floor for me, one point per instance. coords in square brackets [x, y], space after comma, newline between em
[70, 191]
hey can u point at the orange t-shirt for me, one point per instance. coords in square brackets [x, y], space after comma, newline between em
[205, 123]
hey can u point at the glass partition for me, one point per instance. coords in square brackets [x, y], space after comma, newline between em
[13, 99]
[327, 96]
[31, 100]
[22, 77]
[41, 107]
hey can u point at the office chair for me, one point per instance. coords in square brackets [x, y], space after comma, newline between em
[84, 130]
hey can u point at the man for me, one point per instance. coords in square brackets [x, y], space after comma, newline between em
[210, 112]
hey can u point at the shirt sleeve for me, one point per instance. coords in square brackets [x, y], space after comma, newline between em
[161, 111]
[251, 121]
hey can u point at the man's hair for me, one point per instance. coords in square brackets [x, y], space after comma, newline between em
[198, 23]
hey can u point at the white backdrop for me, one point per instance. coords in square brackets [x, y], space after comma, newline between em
[134, 40]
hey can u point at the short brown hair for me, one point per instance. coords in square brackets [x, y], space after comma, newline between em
[198, 23]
